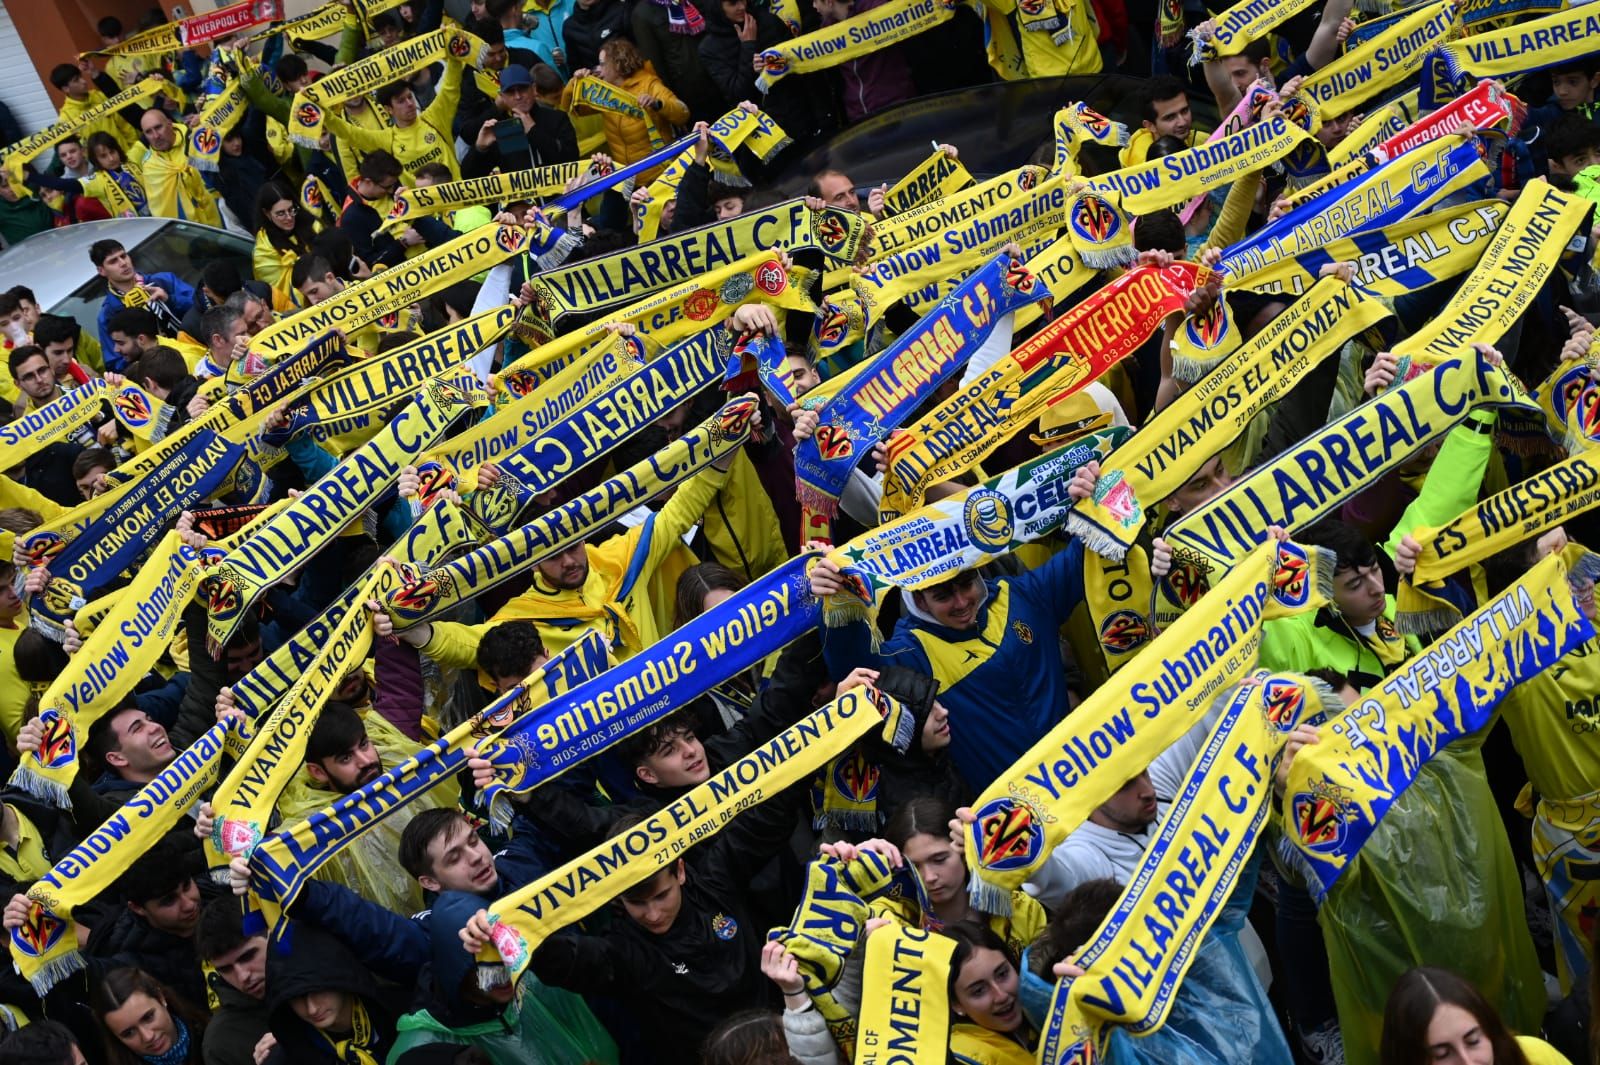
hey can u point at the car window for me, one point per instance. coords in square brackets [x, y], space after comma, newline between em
[180, 248]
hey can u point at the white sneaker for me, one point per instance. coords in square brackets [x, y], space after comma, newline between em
[1324, 1046]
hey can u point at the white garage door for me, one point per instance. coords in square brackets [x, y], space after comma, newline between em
[20, 86]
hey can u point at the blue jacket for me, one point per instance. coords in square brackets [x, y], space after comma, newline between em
[1002, 681]
[180, 297]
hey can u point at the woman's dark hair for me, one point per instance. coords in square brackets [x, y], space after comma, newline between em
[925, 815]
[1081, 912]
[1163, 146]
[40, 1043]
[298, 239]
[116, 988]
[104, 140]
[1413, 1001]
[971, 936]
[696, 582]
[750, 1037]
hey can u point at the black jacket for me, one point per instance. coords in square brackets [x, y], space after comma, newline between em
[551, 140]
[587, 28]
[676, 58]
[235, 1027]
[798, 103]
[706, 967]
[130, 940]
[308, 961]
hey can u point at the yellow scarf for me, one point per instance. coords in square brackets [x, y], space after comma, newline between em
[1185, 435]
[525, 918]
[1508, 277]
[1527, 509]
[115, 656]
[907, 1009]
[1382, 63]
[394, 289]
[44, 947]
[854, 37]
[1552, 40]
[933, 179]
[591, 94]
[372, 73]
[28, 149]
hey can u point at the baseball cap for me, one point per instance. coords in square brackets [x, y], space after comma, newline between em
[514, 77]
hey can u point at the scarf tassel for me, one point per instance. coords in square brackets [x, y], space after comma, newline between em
[552, 255]
[56, 970]
[37, 786]
[905, 724]
[1096, 539]
[1422, 622]
[1107, 258]
[491, 977]
[500, 813]
[995, 901]
[847, 820]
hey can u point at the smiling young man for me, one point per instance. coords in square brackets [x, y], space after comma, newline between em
[419, 136]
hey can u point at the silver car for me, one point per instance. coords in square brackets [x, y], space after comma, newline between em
[55, 264]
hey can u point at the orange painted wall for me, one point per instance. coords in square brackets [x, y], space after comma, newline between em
[59, 39]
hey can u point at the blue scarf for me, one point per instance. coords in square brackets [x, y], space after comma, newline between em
[178, 1053]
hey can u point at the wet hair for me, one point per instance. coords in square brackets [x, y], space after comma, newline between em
[1569, 135]
[42, 1042]
[925, 815]
[222, 277]
[1081, 912]
[114, 989]
[1165, 88]
[397, 339]
[221, 928]
[749, 1037]
[1160, 231]
[89, 458]
[101, 250]
[21, 354]
[1413, 1001]
[509, 648]
[634, 750]
[217, 321]
[380, 165]
[696, 582]
[971, 936]
[310, 268]
[1352, 547]
[290, 67]
[338, 729]
[386, 94]
[53, 329]
[488, 30]
[159, 871]
[134, 322]
[625, 58]
[420, 832]
[164, 366]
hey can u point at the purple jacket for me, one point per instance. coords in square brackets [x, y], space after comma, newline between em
[875, 81]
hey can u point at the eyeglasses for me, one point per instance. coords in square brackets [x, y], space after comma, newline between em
[285, 212]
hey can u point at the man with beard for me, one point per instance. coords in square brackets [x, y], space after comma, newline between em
[346, 750]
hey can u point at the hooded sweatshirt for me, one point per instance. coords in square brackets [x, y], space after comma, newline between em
[307, 961]
[540, 1026]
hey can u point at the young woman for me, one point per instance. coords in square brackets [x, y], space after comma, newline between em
[987, 1025]
[283, 235]
[921, 831]
[144, 1022]
[1435, 1016]
[629, 139]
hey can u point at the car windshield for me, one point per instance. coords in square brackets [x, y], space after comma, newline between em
[180, 248]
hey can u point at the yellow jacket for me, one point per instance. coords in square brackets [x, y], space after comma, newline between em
[275, 266]
[628, 594]
[427, 140]
[741, 526]
[628, 139]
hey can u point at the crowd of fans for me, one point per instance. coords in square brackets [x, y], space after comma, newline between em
[679, 968]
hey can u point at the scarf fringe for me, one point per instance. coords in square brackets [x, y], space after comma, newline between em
[558, 252]
[905, 725]
[1110, 258]
[1422, 622]
[816, 500]
[847, 820]
[1096, 539]
[1189, 369]
[844, 609]
[1588, 567]
[57, 970]
[992, 900]
[40, 788]
[491, 977]
[500, 813]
